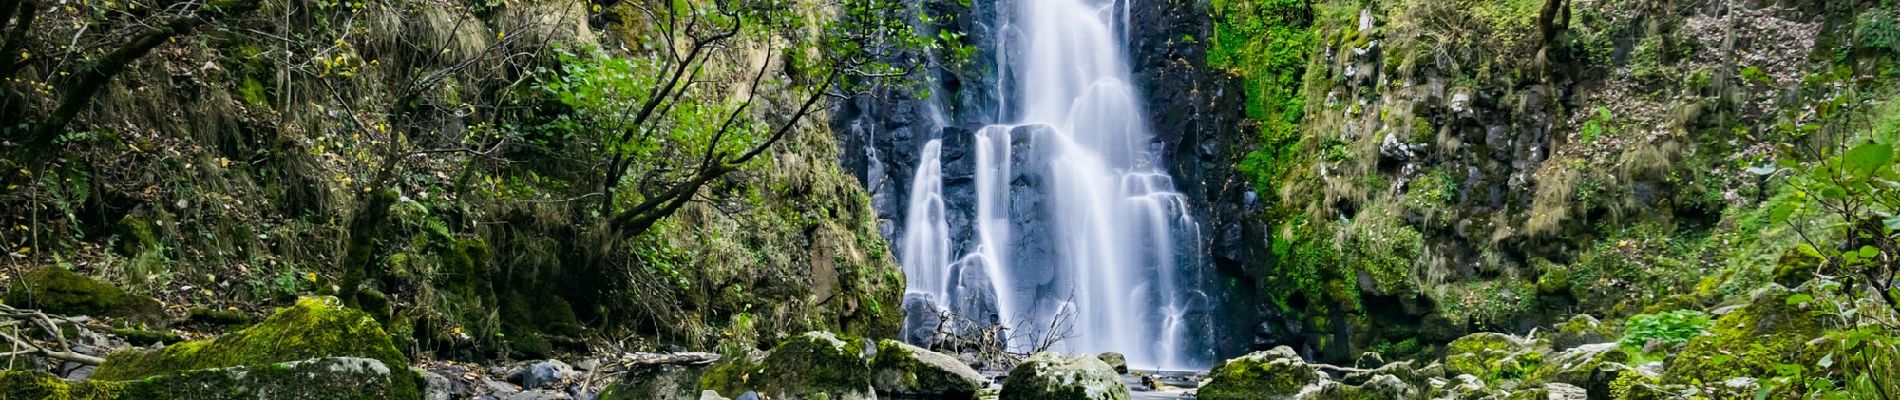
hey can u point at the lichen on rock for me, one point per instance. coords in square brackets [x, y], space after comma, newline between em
[905, 370]
[1051, 376]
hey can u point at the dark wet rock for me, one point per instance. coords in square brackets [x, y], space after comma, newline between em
[543, 375]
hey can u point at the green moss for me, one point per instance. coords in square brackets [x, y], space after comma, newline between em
[1752, 342]
[327, 379]
[1273, 374]
[1493, 356]
[312, 328]
[59, 291]
[817, 363]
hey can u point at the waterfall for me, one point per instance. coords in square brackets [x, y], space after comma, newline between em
[1077, 232]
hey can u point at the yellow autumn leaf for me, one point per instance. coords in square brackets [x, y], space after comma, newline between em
[313, 278]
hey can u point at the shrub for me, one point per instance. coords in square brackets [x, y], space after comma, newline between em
[1675, 327]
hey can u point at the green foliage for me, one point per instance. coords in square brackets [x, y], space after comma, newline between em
[1674, 327]
[1266, 43]
[1875, 29]
[1598, 126]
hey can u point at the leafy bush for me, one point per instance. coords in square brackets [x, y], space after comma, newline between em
[1875, 30]
[1675, 327]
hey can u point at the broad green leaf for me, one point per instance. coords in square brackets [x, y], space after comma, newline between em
[1864, 159]
[1869, 251]
[1799, 298]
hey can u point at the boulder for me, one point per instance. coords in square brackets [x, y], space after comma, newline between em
[1561, 391]
[1493, 356]
[1591, 366]
[1115, 360]
[1750, 342]
[904, 370]
[1051, 376]
[813, 365]
[314, 327]
[1580, 330]
[1265, 375]
[335, 378]
[550, 374]
[1380, 387]
[660, 376]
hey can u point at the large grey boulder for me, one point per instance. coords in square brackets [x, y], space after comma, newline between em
[1051, 376]
[909, 371]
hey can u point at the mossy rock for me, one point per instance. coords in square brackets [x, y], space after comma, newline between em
[1797, 265]
[59, 291]
[1751, 341]
[1591, 367]
[1051, 376]
[732, 374]
[315, 327]
[904, 370]
[319, 379]
[1579, 330]
[1272, 374]
[1379, 387]
[813, 365]
[1493, 356]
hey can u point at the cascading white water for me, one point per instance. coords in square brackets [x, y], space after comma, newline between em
[1075, 222]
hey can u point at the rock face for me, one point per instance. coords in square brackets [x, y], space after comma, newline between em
[338, 378]
[314, 327]
[1265, 375]
[908, 371]
[1050, 376]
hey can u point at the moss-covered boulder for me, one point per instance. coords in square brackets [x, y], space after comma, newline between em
[1379, 387]
[813, 365]
[342, 378]
[1581, 329]
[1494, 356]
[1051, 376]
[314, 327]
[1264, 375]
[1591, 367]
[59, 291]
[1115, 360]
[904, 370]
[1775, 328]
